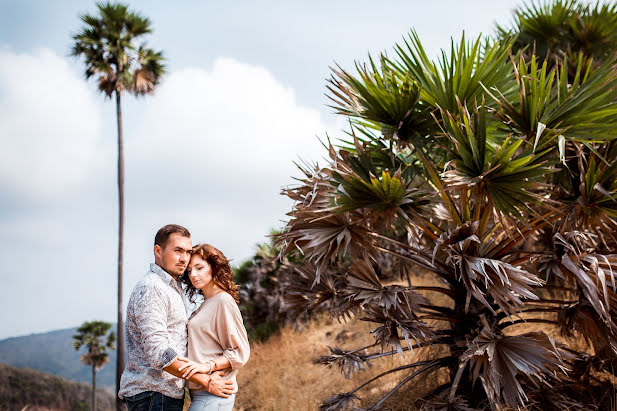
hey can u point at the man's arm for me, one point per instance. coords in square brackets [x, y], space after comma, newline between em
[214, 383]
[150, 311]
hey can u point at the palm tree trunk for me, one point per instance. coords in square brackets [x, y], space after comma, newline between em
[120, 331]
[93, 388]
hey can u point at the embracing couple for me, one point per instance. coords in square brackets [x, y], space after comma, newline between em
[165, 347]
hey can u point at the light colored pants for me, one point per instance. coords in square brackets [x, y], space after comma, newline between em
[204, 401]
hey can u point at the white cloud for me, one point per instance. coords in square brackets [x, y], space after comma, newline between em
[214, 148]
[48, 125]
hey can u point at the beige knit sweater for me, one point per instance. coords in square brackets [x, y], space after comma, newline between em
[216, 329]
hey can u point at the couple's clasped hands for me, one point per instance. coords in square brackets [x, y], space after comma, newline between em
[217, 385]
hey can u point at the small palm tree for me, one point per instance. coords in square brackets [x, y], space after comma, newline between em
[494, 174]
[95, 337]
[113, 53]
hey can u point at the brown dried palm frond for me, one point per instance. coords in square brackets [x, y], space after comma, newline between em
[595, 275]
[486, 279]
[340, 402]
[347, 361]
[394, 321]
[364, 286]
[302, 294]
[584, 319]
[443, 402]
[319, 232]
[497, 360]
[541, 399]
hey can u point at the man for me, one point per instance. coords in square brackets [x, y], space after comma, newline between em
[156, 331]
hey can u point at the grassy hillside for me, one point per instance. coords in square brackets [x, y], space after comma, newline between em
[40, 391]
[53, 352]
[280, 374]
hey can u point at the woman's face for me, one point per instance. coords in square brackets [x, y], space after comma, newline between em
[200, 272]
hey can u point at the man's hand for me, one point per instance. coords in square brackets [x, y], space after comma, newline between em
[220, 386]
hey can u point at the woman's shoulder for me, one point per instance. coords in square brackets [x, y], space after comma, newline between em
[225, 298]
[225, 302]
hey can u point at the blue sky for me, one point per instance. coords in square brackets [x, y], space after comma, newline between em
[243, 99]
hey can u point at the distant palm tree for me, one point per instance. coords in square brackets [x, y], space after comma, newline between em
[109, 45]
[94, 336]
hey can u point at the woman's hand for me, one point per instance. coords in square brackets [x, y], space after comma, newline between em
[191, 367]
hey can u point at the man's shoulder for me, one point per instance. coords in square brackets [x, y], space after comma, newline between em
[150, 281]
[149, 278]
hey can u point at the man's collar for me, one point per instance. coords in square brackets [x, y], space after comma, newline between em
[165, 276]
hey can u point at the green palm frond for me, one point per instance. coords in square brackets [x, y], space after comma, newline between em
[460, 73]
[390, 100]
[595, 208]
[505, 173]
[553, 30]
[541, 27]
[549, 104]
[594, 32]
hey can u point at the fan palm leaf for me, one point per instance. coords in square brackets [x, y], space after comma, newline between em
[497, 360]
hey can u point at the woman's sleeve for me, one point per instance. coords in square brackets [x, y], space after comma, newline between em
[232, 334]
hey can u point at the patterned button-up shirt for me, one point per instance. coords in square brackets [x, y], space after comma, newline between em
[155, 335]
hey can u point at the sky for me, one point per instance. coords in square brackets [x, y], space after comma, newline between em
[242, 100]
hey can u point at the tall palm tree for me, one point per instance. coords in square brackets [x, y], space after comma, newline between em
[494, 174]
[95, 337]
[111, 47]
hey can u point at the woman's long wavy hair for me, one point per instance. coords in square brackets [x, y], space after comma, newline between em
[221, 272]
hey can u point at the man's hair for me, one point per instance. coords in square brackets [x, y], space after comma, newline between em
[162, 236]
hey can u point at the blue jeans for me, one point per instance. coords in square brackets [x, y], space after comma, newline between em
[204, 401]
[153, 401]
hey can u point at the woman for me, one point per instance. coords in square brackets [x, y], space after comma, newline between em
[217, 338]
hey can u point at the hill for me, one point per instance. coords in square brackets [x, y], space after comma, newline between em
[53, 352]
[21, 388]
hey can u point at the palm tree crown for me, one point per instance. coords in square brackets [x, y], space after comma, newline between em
[95, 337]
[108, 44]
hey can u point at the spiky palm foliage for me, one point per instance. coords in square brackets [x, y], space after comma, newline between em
[565, 28]
[97, 339]
[502, 188]
[113, 52]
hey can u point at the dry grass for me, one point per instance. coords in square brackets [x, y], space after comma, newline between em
[281, 376]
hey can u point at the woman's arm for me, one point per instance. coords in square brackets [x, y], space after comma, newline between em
[215, 383]
[232, 334]
[232, 338]
[190, 368]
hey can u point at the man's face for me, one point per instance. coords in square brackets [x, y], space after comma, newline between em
[175, 256]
